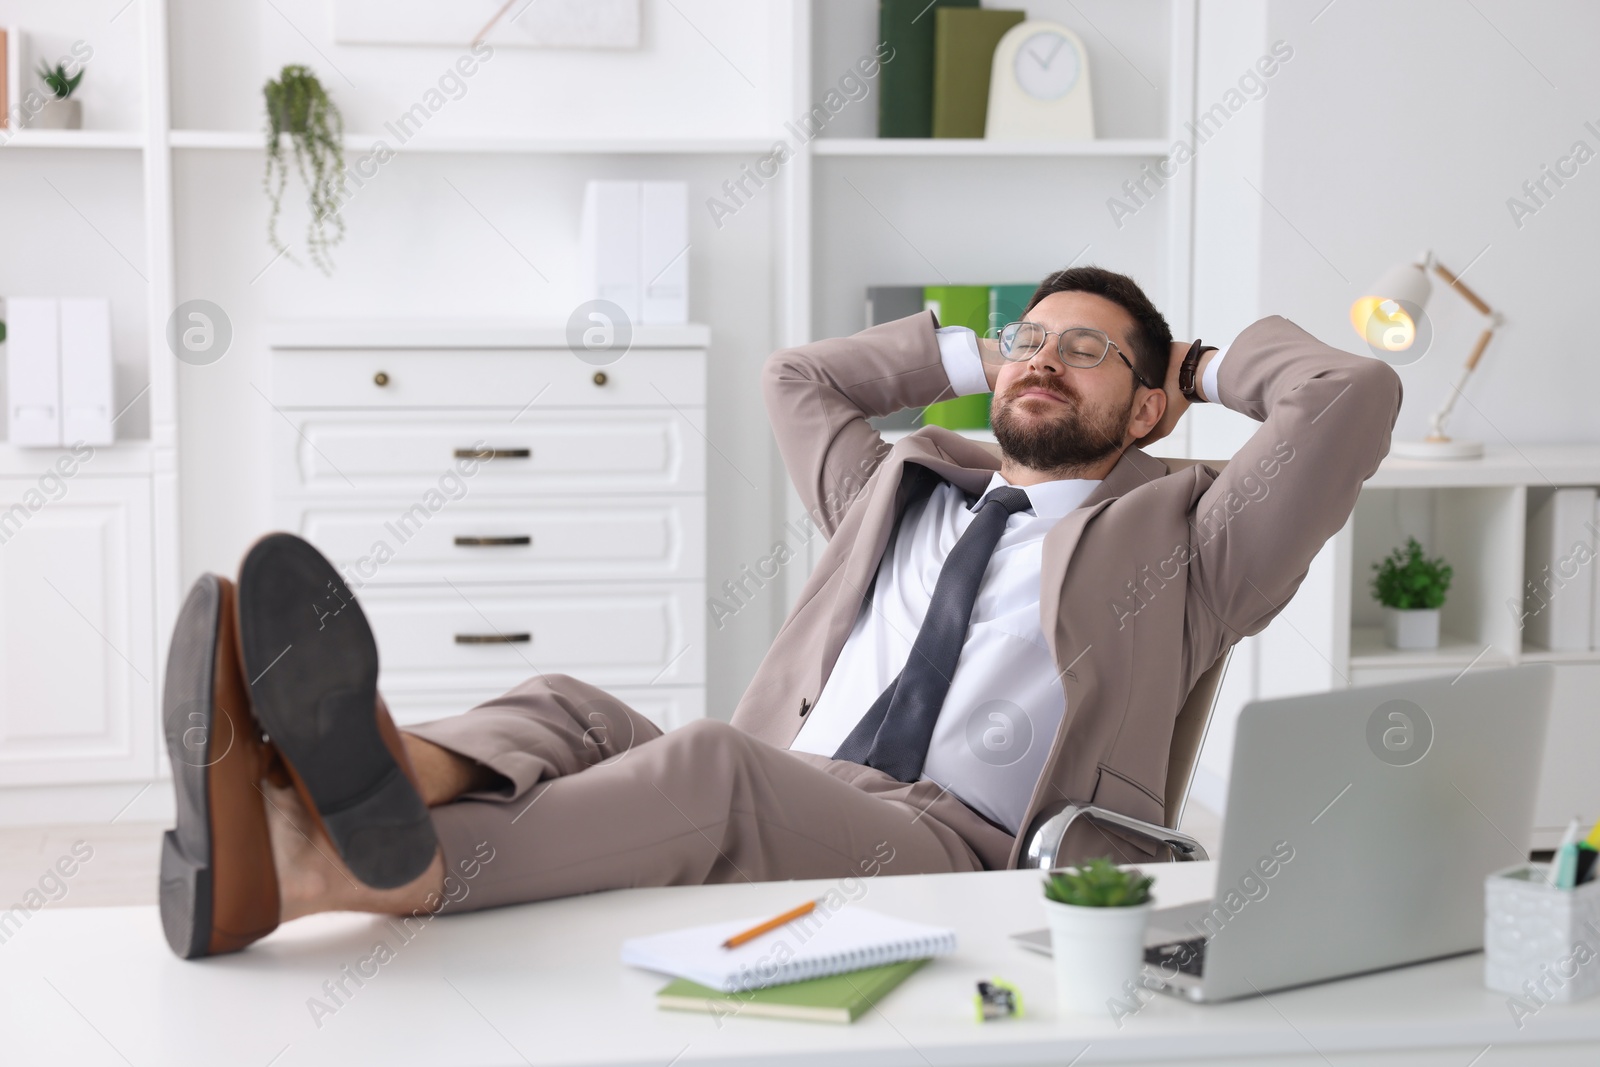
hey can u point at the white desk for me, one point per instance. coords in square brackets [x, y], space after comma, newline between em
[541, 984]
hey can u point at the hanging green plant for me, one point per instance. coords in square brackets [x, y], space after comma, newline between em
[299, 106]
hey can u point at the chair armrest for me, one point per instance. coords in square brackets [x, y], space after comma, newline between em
[1044, 844]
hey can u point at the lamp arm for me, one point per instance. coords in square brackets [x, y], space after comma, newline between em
[1454, 282]
[1440, 417]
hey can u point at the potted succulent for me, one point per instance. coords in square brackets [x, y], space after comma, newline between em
[60, 112]
[1411, 589]
[1097, 915]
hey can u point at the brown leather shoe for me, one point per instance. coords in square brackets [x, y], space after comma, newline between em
[313, 669]
[219, 886]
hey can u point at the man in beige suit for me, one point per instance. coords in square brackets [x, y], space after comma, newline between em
[983, 635]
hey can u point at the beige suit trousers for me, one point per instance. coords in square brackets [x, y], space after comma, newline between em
[598, 797]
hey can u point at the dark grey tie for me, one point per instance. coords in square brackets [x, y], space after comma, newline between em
[893, 735]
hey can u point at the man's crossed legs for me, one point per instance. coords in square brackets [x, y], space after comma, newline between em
[312, 803]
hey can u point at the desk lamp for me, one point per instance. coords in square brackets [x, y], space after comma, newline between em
[1388, 320]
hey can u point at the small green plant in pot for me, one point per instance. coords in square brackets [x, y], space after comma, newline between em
[299, 107]
[1411, 588]
[1097, 914]
[61, 112]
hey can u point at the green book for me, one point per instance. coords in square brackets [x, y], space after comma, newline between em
[905, 82]
[963, 55]
[838, 998]
[1008, 303]
[959, 305]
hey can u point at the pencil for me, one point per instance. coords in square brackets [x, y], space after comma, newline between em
[771, 924]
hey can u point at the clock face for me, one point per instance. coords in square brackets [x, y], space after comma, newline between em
[1047, 65]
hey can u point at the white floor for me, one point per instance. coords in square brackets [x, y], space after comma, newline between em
[122, 868]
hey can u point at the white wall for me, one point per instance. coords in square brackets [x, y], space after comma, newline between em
[1406, 126]
[1395, 128]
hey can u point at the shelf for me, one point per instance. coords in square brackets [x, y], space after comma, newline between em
[1368, 650]
[977, 146]
[491, 143]
[26, 138]
[1565, 464]
[131, 457]
[1535, 654]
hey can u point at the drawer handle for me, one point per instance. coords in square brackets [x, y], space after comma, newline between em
[494, 453]
[493, 639]
[600, 377]
[493, 542]
[380, 379]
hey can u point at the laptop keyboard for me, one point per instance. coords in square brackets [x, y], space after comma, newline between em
[1188, 957]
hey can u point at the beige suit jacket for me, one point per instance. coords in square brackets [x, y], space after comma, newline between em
[1144, 585]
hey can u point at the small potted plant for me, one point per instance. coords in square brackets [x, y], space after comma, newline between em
[299, 107]
[1411, 589]
[61, 112]
[1097, 915]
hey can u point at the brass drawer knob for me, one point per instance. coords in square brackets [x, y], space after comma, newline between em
[600, 377]
[380, 379]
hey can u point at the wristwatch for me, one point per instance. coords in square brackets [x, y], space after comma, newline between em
[1186, 372]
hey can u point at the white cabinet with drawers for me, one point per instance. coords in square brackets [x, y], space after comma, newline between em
[502, 507]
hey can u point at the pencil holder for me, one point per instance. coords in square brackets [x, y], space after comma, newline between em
[1538, 940]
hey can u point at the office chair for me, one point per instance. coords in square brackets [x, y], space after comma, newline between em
[1049, 826]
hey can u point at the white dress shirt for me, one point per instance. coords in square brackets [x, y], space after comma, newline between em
[1005, 701]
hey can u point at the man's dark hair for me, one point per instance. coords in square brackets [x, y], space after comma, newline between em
[1151, 338]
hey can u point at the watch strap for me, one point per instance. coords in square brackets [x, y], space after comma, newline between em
[1186, 373]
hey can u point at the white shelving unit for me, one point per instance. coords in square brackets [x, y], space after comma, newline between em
[862, 210]
[1474, 514]
[91, 578]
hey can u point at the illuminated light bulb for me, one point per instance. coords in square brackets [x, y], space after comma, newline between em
[1383, 323]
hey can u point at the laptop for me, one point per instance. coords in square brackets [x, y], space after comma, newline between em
[1360, 826]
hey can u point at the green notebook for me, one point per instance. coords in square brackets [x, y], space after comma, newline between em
[838, 998]
[963, 55]
[905, 82]
[959, 305]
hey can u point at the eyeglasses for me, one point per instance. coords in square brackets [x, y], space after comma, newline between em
[1080, 346]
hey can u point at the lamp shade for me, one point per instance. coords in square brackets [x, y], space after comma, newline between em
[1386, 318]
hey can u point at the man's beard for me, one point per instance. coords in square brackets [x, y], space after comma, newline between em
[1074, 439]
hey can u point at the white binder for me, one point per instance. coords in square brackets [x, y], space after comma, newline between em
[1558, 593]
[664, 252]
[86, 372]
[609, 247]
[33, 372]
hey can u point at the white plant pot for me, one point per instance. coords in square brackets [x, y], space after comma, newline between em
[59, 115]
[1097, 952]
[1411, 627]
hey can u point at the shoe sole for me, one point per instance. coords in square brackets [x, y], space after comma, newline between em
[186, 882]
[312, 667]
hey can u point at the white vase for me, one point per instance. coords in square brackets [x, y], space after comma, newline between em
[1411, 627]
[1097, 952]
[58, 115]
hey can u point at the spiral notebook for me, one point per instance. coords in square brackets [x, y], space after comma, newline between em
[812, 946]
